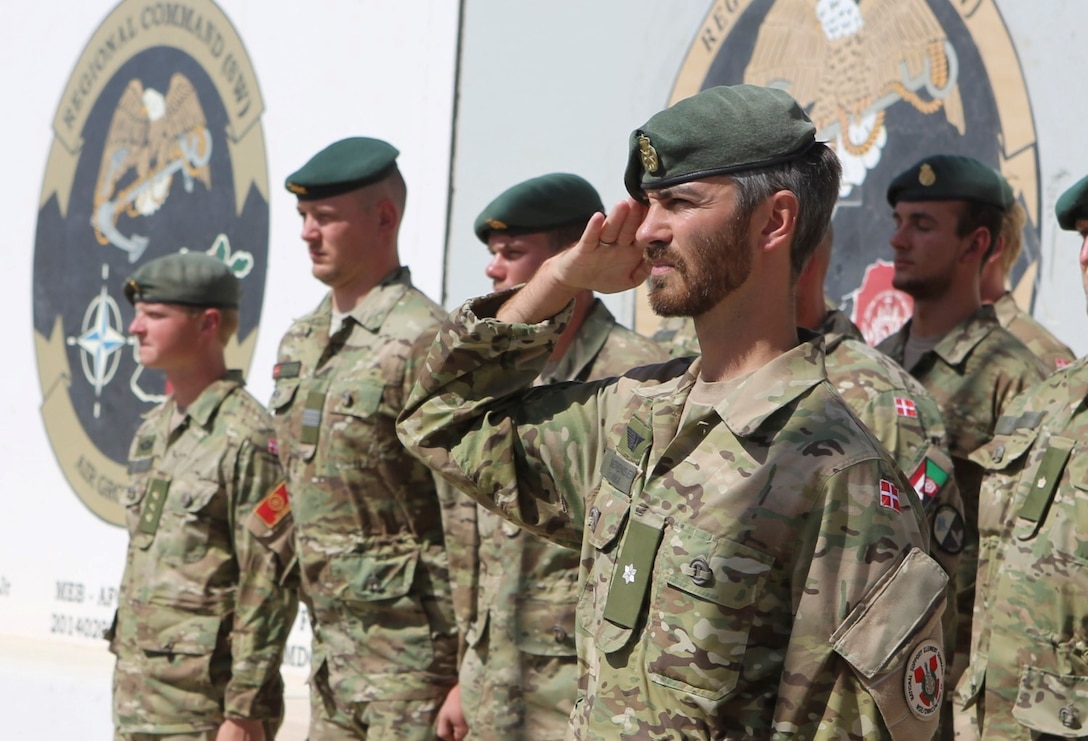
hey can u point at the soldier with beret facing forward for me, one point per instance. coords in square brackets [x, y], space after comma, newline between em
[369, 527]
[208, 596]
[515, 593]
[753, 564]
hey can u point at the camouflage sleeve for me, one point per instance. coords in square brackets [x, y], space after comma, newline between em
[462, 550]
[528, 454]
[267, 596]
[868, 615]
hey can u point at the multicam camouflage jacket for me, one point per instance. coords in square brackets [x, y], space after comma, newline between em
[526, 683]
[905, 419]
[1054, 353]
[1028, 676]
[760, 569]
[369, 527]
[973, 373]
[206, 600]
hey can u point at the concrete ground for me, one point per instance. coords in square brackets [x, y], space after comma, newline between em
[54, 691]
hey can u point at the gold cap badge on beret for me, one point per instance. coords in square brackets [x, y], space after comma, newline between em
[299, 190]
[926, 176]
[648, 153]
[496, 224]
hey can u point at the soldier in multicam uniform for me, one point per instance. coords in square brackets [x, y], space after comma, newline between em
[207, 598]
[948, 212]
[369, 526]
[994, 289]
[753, 564]
[1028, 676]
[896, 408]
[519, 677]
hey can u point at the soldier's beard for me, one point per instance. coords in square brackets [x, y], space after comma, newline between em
[922, 288]
[717, 265]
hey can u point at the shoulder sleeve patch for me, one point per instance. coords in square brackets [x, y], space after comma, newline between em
[275, 505]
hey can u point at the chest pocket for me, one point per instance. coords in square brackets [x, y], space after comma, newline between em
[358, 431]
[189, 523]
[131, 499]
[704, 601]
[281, 405]
[605, 522]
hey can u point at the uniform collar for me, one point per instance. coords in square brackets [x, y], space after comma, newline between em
[955, 346]
[204, 407]
[749, 401]
[836, 327]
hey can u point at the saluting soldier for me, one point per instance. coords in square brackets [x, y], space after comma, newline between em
[208, 595]
[753, 563]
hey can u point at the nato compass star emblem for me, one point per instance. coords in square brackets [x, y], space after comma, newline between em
[99, 341]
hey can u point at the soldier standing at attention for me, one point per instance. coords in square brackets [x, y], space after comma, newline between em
[519, 677]
[369, 527]
[948, 211]
[994, 289]
[203, 612]
[752, 562]
[1028, 673]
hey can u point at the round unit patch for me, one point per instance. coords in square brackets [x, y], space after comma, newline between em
[922, 681]
[948, 530]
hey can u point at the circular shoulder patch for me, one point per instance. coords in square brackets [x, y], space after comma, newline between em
[922, 683]
[949, 532]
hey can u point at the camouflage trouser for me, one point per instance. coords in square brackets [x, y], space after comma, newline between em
[195, 736]
[528, 697]
[380, 720]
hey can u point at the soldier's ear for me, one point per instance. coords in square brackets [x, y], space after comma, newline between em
[210, 320]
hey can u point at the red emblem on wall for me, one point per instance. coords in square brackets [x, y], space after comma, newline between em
[879, 309]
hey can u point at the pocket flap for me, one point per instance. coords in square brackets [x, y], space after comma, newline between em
[606, 516]
[731, 575]
[283, 394]
[870, 636]
[1004, 450]
[545, 627]
[367, 577]
[356, 399]
[1051, 703]
[194, 496]
[161, 630]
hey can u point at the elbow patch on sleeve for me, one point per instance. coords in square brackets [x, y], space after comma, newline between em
[892, 639]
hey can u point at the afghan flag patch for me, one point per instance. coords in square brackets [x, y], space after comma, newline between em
[275, 505]
[928, 479]
[889, 495]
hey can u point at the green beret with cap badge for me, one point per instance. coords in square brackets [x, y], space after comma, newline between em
[189, 278]
[1073, 205]
[540, 204]
[951, 177]
[718, 131]
[343, 166]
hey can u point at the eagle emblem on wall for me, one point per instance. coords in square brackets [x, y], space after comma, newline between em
[152, 137]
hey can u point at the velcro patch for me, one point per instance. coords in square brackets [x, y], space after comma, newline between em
[889, 495]
[286, 370]
[905, 407]
[275, 505]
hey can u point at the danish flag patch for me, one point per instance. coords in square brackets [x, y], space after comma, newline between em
[889, 495]
[905, 407]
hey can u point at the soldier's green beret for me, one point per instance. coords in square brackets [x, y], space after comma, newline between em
[719, 131]
[951, 177]
[1073, 205]
[539, 205]
[343, 166]
[190, 278]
